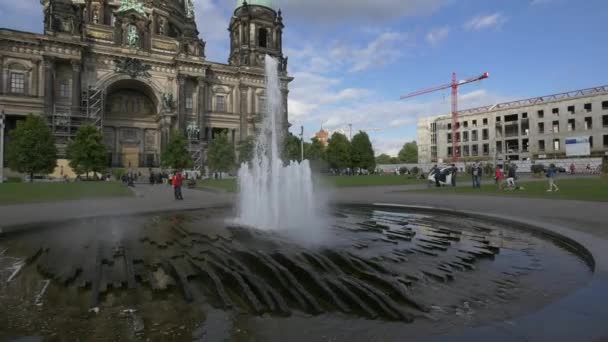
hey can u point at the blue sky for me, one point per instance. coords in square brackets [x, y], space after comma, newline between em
[352, 59]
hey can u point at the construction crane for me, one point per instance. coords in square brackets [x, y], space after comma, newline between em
[454, 85]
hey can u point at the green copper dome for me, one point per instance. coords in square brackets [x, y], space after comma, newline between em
[265, 3]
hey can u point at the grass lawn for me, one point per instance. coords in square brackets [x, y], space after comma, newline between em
[223, 184]
[370, 180]
[584, 189]
[13, 193]
[230, 185]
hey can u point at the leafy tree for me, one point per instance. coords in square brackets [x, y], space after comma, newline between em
[292, 149]
[395, 160]
[221, 156]
[338, 151]
[31, 147]
[87, 153]
[315, 150]
[362, 152]
[246, 149]
[383, 159]
[176, 155]
[409, 153]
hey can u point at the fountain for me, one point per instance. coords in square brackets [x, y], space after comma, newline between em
[275, 196]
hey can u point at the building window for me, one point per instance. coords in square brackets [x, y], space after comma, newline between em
[571, 125]
[263, 37]
[475, 152]
[449, 126]
[449, 138]
[474, 135]
[17, 83]
[588, 107]
[474, 123]
[605, 140]
[541, 146]
[449, 151]
[524, 115]
[485, 134]
[220, 103]
[485, 122]
[262, 105]
[605, 121]
[555, 126]
[465, 136]
[541, 114]
[466, 124]
[555, 111]
[571, 109]
[457, 136]
[189, 103]
[64, 89]
[591, 141]
[588, 123]
[465, 151]
[541, 127]
[604, 104]
[486, 149]
[556, 144]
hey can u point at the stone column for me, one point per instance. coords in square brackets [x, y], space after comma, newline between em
[233, 137]
[142, 148]
[75, 87]
[243, 92]
[1, 75]
[49, 94]
[201, 105]
[209, 134]
[181, 111]
[117, 151]
[35, 77]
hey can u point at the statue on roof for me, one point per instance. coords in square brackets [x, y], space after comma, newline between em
[136, 5]
[189, 8]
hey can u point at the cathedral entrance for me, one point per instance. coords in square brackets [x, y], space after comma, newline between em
[131, 128]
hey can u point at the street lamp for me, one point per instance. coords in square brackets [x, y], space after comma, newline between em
[2, 147]
[302, 142]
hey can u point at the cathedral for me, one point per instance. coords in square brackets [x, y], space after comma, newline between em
[137, 70]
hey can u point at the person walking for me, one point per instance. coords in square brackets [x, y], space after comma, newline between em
[454, 171]
[551, 173]
[511, 176]
[499, 177]
[177, 185]
[572, 169]
[476, 172]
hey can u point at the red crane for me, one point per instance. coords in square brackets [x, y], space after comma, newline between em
[454, 85]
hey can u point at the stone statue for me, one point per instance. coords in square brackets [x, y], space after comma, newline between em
[95, 16]
[132, 67]
[135, 5]
[133, 36]
[161, 26]
[189, 8]
[167, 101]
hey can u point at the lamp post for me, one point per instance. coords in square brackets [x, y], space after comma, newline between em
[2, 147]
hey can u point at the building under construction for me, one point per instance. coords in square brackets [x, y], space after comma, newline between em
[533, 128]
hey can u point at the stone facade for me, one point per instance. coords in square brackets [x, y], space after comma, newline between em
[137, 69]
[520, 130]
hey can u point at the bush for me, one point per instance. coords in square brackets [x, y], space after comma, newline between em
[403, 170]
[605, 166]
[468, 169]
[415, 170]
[117, 173]
[537, 168]
[14, 180]
[488, 170]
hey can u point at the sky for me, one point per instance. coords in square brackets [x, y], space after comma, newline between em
[353, 59]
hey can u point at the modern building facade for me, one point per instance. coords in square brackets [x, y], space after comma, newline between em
[532, 129]
[137, 70]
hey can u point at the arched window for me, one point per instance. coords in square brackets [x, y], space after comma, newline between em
[263, 37]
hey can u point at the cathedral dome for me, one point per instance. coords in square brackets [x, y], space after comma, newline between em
[265, 3]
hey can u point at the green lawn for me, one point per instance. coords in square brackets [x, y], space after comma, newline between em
[371, 180]
[223, 184]
[230, 185]
[584, 189]
[13, 193]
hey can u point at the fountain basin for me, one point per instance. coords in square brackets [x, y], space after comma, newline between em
[383, 271]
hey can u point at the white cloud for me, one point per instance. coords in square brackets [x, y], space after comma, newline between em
[212, 22]
[390, 146]
[485, 21]
[436, 35]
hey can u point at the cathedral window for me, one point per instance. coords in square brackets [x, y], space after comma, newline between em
[64, 89]
[262, 105]
[220, 103]
[189, 104]
[263, 37]
[17, 83]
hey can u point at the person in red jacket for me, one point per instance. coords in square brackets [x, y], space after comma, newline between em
[499, 178]
[177, 181]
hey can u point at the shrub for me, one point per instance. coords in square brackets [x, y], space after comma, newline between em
[117, 173]
[403, 170]
[537, 168]
[468, 169]
[415, 170]
[488, 170]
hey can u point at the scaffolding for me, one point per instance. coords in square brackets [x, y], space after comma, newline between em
[66, 120]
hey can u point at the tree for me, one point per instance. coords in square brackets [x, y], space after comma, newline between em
[87, 153]
[394, 160]
[31, 147]
[383, 159]
[362, 152]
[338, 151]
[315, 150]
[292, 149]
[246, 149]
[409, 153]
[176, 155]
[221, 156]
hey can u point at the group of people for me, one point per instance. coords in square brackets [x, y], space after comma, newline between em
[511, 178]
